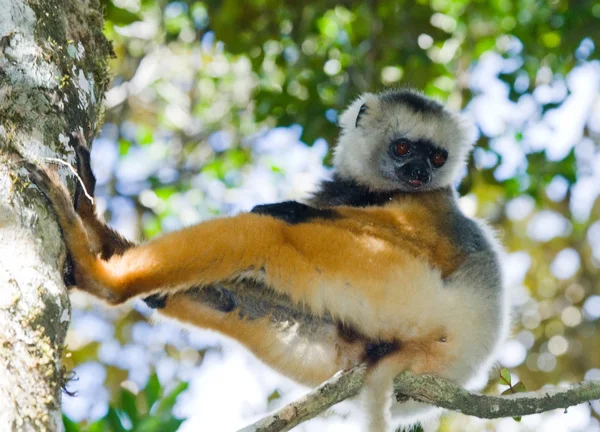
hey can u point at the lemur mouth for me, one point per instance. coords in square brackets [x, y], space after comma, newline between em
[415, 183]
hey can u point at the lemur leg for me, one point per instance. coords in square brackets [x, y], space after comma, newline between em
[259, 335]
[82, 252]
[320, 264]
[309, 358]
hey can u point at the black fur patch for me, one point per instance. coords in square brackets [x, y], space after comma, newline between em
[414, 100]
[69, 272]
[293, 212]
[216, 297]
[375, 351]
[340, 191]
[156, 301]
[252, 300]
[348, 333]
[361, 111]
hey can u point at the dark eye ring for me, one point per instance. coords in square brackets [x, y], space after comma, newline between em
[400, 147]
[439, 158]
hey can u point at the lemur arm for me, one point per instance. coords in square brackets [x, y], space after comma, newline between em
[103, 239]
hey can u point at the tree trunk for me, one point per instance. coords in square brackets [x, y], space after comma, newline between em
[53, 59]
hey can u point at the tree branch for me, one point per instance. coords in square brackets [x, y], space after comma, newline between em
[428, 389]
[342, 385]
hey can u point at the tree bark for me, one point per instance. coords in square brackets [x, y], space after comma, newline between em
[53, 59]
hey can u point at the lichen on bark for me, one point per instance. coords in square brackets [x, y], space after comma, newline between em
[53, 75]
[57, 48]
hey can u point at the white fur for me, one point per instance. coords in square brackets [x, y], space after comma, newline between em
[360, 148]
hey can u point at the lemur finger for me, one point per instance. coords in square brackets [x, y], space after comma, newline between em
[39, 177]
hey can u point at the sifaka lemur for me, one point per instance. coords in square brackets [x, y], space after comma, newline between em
[380, 265]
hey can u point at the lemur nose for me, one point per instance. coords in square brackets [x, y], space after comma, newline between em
[415, 173]
[418, 173]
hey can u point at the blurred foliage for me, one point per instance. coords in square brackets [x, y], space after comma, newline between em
[198, 83]
[147, 411]
[311, 57]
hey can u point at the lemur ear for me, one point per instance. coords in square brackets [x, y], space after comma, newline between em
[361, 111]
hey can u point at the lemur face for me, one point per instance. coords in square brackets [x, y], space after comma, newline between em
[402, 140]
[414, 162]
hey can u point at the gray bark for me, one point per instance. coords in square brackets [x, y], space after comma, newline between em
[53, 59]
[428, 389]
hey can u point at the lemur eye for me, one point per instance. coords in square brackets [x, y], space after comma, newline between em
[400, 147]
[439, 158]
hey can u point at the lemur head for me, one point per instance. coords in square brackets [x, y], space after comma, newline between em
[401, 140]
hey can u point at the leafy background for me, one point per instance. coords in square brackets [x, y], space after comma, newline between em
[220, 105]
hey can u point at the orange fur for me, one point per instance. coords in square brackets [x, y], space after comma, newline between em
[299, 260]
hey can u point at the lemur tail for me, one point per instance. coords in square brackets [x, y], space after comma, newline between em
[377, 394]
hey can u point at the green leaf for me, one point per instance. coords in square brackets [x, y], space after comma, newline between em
[166, 404]
[483, 46]
[149, 424]
[70, 425]
[167, 423]
[143, 135]
[98, 426]
[124, 146]
[505, 376]
[274, 396]
[413, 428]
[171, 425]
[276, 169]
[165, 193]
[519, 387]
[129, 405]
[117, 15]
[114, 421]
[152, 390]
